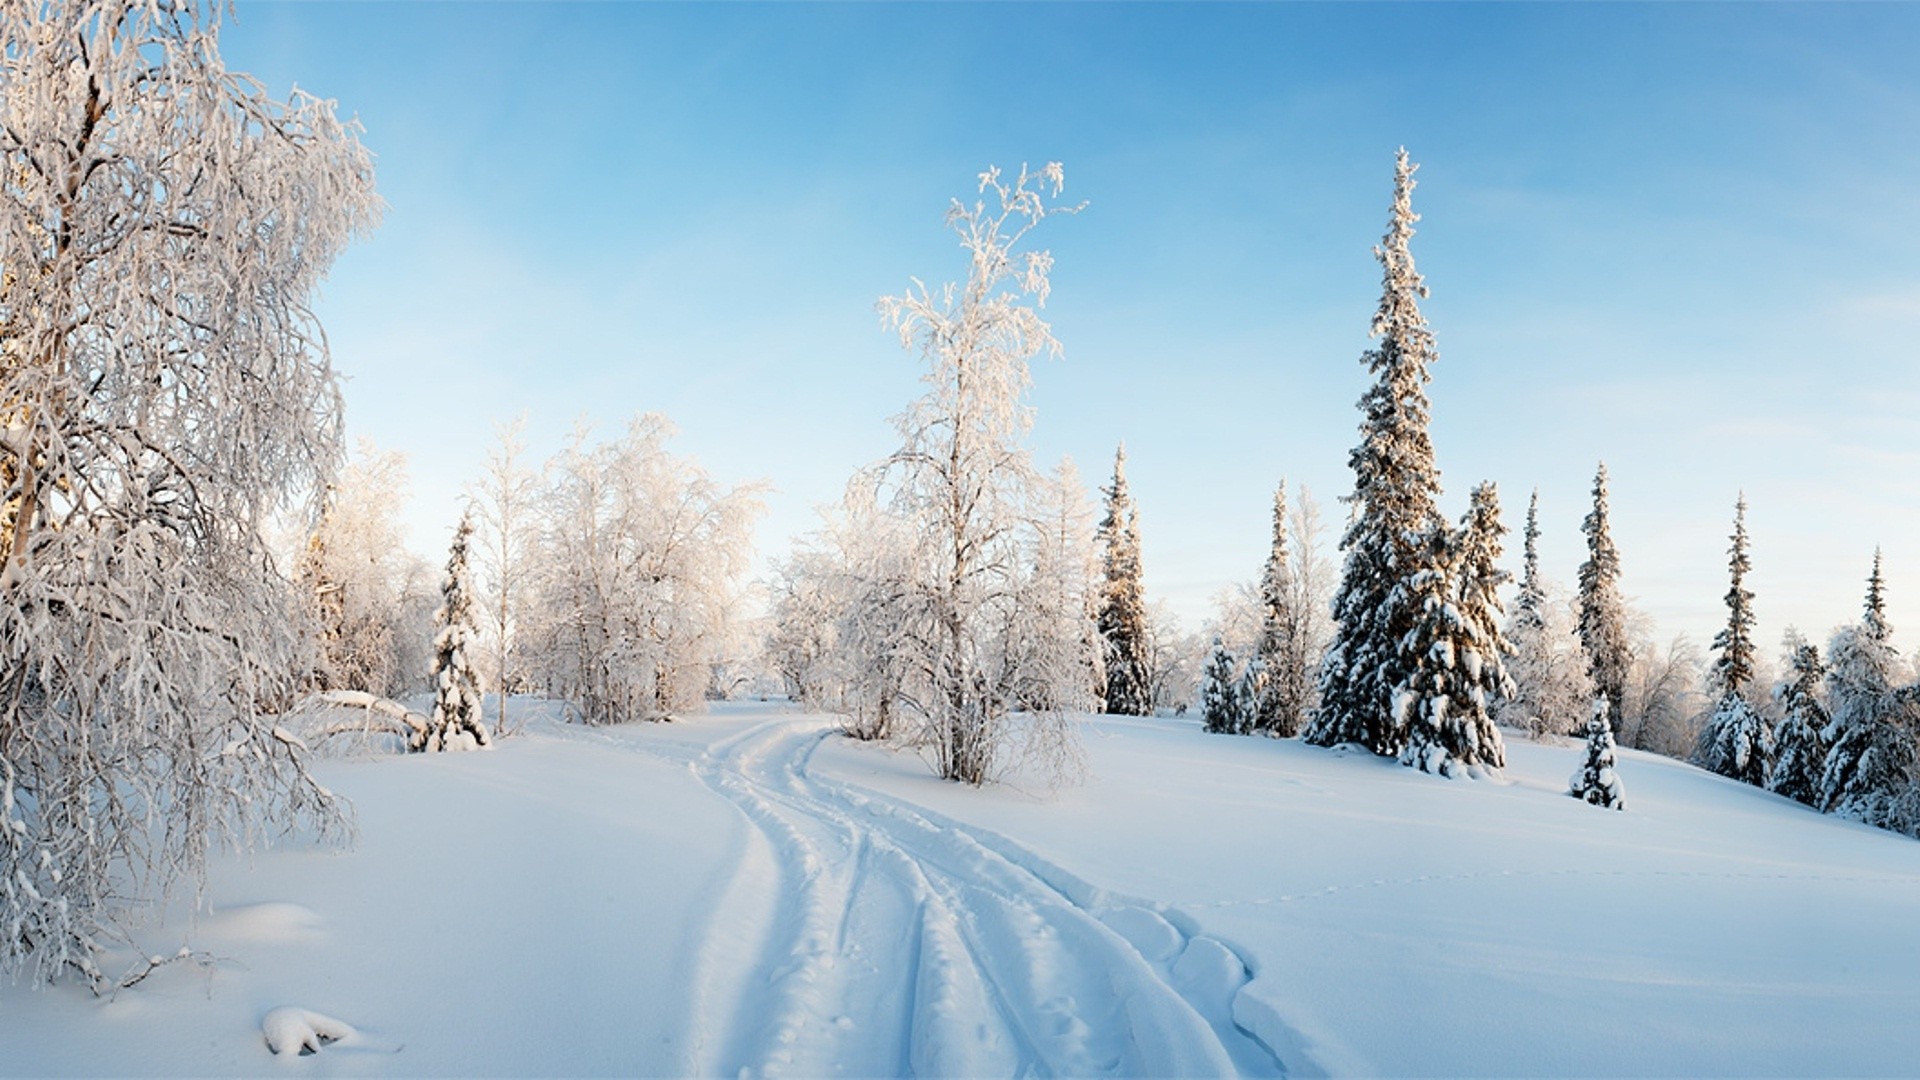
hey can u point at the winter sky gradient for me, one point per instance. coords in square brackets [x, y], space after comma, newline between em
[1676, 237]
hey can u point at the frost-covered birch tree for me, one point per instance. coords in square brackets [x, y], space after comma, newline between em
[505, 500]
[359, 580]
[1394, 506]
[641, 553]
[1059, 631]
[456, 723]
[962, 474]
[165, 387]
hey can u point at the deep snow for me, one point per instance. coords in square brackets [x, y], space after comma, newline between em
[750, 891]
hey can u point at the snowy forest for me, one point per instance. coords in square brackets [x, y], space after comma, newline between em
[209, 595]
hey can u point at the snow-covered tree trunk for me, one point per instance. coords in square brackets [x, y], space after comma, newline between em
[457, 722]
[1123, 609]
[1394, 511]
[1598, 781]
[1603, 620]
[164, 387]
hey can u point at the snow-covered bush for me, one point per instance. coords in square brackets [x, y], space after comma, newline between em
[164, 387]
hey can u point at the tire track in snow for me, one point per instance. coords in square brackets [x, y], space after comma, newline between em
[902, 942]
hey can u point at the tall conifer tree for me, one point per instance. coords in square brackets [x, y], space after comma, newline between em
[1395, 517]
[1603, 621]
[1737, 741]
[1280, 696]
[1870, 752]
[1123, 608]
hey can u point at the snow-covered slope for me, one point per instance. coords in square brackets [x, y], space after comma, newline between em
[750, 891]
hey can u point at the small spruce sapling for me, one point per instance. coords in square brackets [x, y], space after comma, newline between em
[456, 723]
[1598, 782]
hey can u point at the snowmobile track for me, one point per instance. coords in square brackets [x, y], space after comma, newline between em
[899, 942]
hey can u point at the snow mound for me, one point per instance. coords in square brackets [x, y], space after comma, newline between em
[295, 1032]
[269, 921]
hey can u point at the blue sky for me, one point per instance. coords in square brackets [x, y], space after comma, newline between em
[1679, 238]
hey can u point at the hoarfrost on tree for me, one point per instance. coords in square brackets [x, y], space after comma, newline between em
[962, 482]
[165, 388]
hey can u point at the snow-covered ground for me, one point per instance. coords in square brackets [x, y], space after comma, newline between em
[748, 891]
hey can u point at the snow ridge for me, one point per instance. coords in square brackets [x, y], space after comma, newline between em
[902, 942]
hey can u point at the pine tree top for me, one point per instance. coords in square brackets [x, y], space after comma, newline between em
[1531, 592]
[1733, 669]
[1875, 621]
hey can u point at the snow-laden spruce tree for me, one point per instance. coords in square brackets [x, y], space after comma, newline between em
[1389, 541]
[1800, 742]
[457, 722]
[1869, 734]
[1603, 618]
[1455, 653]
[1221, 706]
[164, 387]
[962, 477]
[1737, 740]
[1123, 605]
[1598, 781]
[1282, 693]
[1553, 690]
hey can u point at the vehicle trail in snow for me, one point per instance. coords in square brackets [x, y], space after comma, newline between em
[901, 943]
